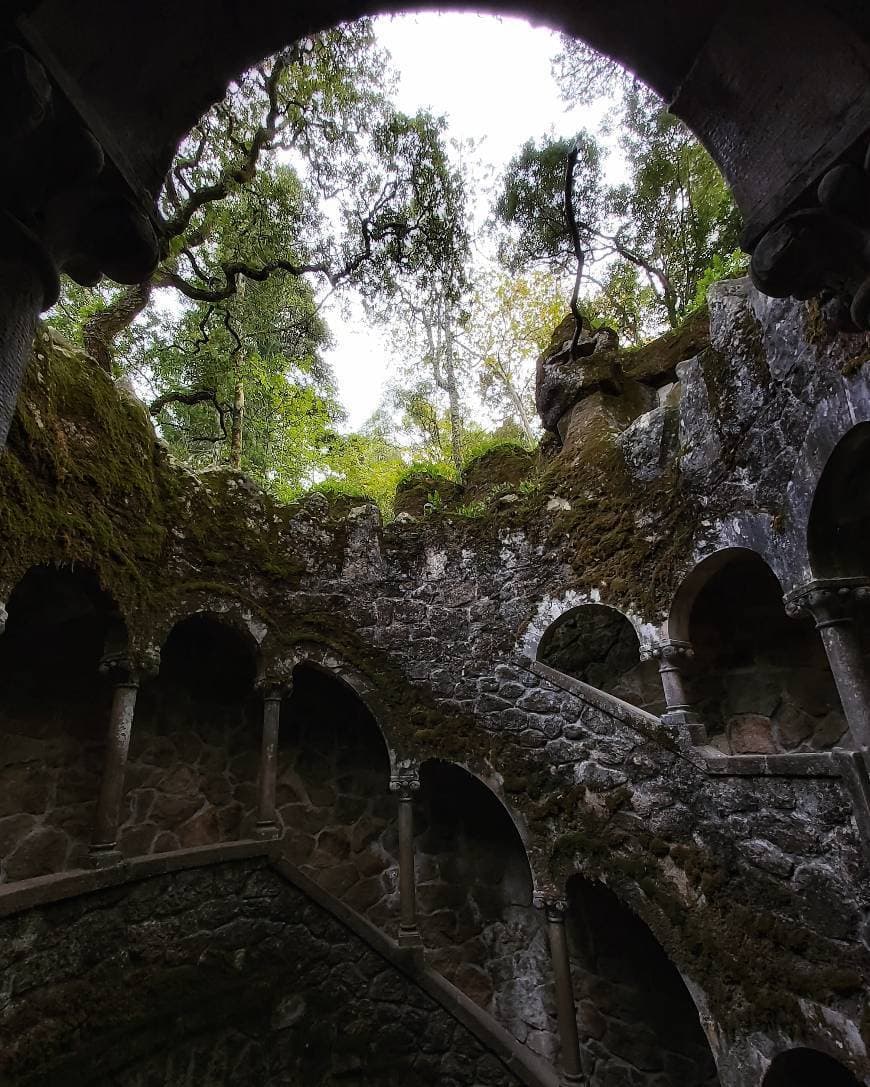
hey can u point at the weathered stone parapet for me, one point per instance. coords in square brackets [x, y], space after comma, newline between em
[833, 604]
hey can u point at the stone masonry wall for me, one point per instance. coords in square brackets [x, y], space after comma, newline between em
[755, 885]
[222, 975]
[334, 803]
[54, 712]
[638, 1024]
[192, 772]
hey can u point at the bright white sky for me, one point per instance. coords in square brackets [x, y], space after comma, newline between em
[491, 77]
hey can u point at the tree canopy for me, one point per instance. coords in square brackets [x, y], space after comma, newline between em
[306, 190]
[304, 179]
[651, 238]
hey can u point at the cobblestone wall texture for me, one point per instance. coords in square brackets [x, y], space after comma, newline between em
[221, 975]
[754, 884]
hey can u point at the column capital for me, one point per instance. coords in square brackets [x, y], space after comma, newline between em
[405, 782]
[672, 649]
[273, 689]
[120, 668]
[554, 905]
[828, 600]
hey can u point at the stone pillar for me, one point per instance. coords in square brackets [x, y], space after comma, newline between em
[266, 826]
[104, 845]
[566, 1012]
[405, 787]
[671, 657]
[833, 604]
[4, 614]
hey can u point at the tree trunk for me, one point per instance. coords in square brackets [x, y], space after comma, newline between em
[238, 425]
[452, 396]
[102, 329]
[525, 422]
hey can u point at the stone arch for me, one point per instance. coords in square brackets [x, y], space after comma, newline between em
[805, 1067]
[194, 752]
[323, 657]
[230, 613]
[475, 887]
[838, 530]
[636, 1015]
[677, 625]
[336, 814]
[599, 645]
[54, 713]
[718, 67]
[759, 678]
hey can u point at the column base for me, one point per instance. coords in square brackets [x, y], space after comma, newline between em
[409, 937]
[686, 721]
[266, 831]
[105, 855]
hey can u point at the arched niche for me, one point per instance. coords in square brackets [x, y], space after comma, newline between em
[194, 753]
[838, 535]
[54, 713]
[474, 902]
[599, 645]
[808, 1068]
[759, 679]
[333, 799]
[633, 1007]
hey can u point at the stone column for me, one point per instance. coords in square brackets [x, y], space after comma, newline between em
[266, 826]
[833, 604]
[4, 614]
[405, 787]
[671, 657]
[104, 845]
[566, 1012]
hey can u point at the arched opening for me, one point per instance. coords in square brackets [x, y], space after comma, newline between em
[333, 795]
[599, 646]
[474, 900]
[759, 680]
[194, 753]
[54, 711]
[808, 1068]
[839, 526]
[637, 1022]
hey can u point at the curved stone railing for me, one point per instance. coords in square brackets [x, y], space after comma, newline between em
[124, 953]
[644, 722]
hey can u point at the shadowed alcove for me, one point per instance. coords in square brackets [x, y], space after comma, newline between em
[759, 680]
[333, 800]
[599, 646]
[474, 898]
[808, 1068]
[839, 527]
[54, 712]
[194, 752]
[638, 1024]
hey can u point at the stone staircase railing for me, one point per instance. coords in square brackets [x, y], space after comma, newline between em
[519, 1062]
